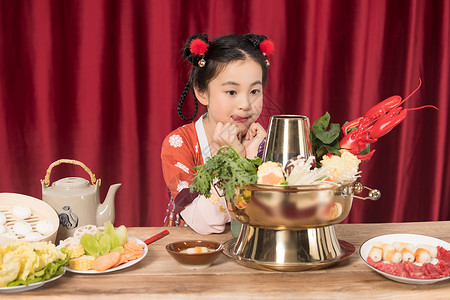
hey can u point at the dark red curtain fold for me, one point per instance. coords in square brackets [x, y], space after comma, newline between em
[98, 81]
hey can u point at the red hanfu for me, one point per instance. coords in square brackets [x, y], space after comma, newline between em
[182, 150]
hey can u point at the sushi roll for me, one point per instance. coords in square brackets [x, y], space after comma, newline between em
[422, 256]
[376, 253]
[21, 211]
[2, 218]
[270, 173]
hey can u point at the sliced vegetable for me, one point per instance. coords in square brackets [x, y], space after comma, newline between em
[122, 234]
[105, 244]
[109, 230]
[104, 262]
[90, 244]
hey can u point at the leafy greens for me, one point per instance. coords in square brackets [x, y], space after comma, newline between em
[229, 168]
[51, 270]
[325, 140]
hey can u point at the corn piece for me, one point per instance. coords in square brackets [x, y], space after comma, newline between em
[75, 251]
[82, 263]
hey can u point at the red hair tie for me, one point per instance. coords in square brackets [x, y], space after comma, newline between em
[199, 47]
[267, 48]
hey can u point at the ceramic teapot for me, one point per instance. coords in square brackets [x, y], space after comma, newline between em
[76, 201]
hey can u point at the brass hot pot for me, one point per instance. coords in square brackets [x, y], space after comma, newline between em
[290, 228]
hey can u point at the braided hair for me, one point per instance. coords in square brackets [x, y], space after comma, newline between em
[215, 56]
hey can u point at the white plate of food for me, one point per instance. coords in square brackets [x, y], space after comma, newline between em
[32, 286]
[395, 247]
[119, 267]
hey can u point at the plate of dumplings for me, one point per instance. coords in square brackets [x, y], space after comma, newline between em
[27, 219]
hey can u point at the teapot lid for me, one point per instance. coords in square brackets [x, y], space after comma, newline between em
[70, 183]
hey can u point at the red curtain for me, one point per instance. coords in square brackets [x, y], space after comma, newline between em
[99, 80]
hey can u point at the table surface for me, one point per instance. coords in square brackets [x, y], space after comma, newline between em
[159, 276]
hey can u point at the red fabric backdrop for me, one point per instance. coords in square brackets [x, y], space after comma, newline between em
[98, 81]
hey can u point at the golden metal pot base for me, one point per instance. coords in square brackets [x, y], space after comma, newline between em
[347, 248]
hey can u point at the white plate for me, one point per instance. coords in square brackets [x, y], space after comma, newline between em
[119, 267]
[23, 288]
[406, 238]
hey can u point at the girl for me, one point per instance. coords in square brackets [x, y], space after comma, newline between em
[228, 77]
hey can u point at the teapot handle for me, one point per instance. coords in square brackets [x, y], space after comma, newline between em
[69, 161]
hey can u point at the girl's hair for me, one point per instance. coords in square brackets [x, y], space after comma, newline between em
[217, 55]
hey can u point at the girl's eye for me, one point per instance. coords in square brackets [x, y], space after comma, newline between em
[255, 91]
[231, 93]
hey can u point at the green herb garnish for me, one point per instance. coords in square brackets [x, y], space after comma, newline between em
[231, 169]
[325, 140]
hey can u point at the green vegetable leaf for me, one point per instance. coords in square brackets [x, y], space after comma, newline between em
[51, 270]
[105, 244]
[90, 244]
[320, 129]
[325, 137]
[122, 234]
[329, 136]
[229, 168]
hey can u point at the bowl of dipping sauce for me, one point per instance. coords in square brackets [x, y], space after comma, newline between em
[195, 254]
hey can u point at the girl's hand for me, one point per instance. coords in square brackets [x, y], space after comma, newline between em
[254, 137]
[224, 135]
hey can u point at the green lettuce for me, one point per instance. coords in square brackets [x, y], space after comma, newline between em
[51, 270]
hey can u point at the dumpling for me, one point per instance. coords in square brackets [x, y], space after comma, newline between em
[2, 229]
[9, 235]
[21, 211]
[22, 228]
[33, 236]
[44, 227]
[2, 218]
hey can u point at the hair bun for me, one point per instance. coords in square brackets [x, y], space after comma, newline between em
[255, 39]
[195, 44]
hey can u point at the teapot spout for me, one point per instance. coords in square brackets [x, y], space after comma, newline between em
[106, 210]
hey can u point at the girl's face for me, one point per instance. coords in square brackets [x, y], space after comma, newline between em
[235, 95]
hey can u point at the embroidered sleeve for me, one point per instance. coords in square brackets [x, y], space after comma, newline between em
[178, 160]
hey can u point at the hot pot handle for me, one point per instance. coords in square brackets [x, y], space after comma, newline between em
[374, 194]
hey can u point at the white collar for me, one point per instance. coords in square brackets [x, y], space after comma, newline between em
[202, 140]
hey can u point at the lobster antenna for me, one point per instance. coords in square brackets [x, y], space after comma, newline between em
[417, 88]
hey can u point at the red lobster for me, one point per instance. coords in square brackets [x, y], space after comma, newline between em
[378, 121]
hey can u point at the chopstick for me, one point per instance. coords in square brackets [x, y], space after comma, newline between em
[156, 237]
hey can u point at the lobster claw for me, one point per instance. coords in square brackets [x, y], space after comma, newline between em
[378, 121]
[374, 194]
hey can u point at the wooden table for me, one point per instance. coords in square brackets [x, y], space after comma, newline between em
[159, 276]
